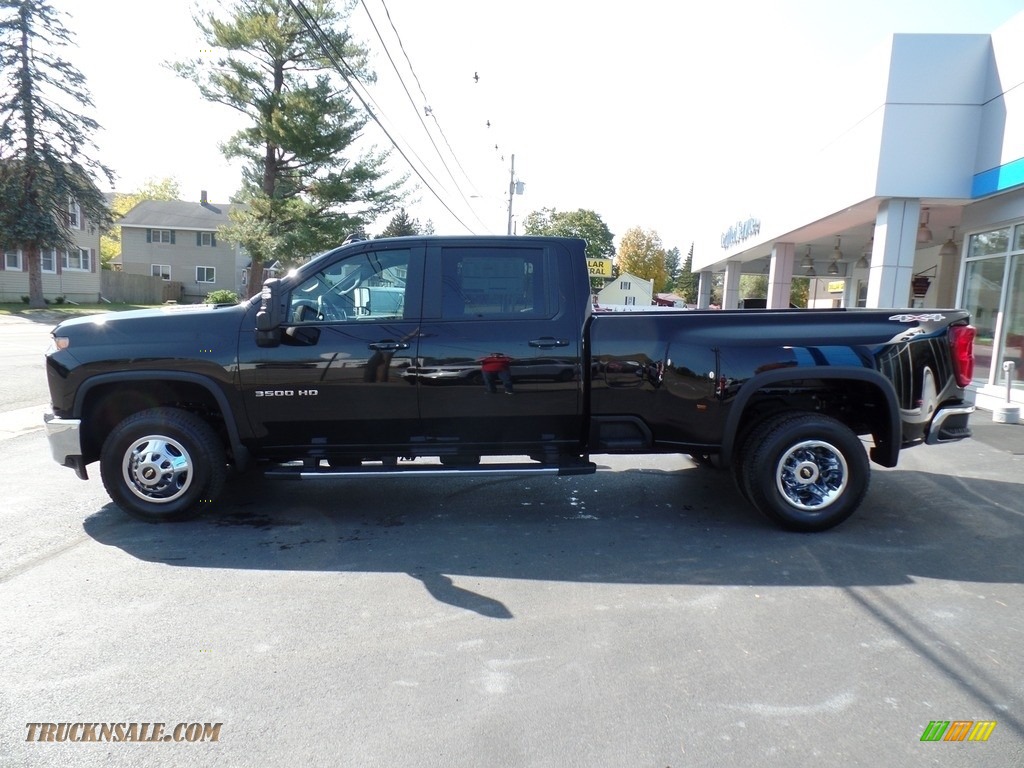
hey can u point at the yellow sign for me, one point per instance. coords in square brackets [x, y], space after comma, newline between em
[599, 267]
[836, 286]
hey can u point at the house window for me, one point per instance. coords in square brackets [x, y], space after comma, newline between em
[630, 301]
[12, 260]
[625, 285]
[48, 260]
[77, 259]
[206, 238]
[245, 277]
[74, 214]
[206, 275]
[160, 236]
[163, 271]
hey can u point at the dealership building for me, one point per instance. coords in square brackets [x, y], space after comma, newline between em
[915, 199]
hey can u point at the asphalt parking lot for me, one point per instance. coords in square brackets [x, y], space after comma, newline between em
[644, 616]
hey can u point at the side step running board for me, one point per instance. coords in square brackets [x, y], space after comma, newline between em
[432, 470]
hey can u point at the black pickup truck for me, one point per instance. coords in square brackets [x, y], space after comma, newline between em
[425, 354]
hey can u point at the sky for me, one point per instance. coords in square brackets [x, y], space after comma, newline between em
[653, 114]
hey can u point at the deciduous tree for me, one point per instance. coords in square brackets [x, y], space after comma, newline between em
[579, 223]
[47, 163]
[642, 254]
[302, 188]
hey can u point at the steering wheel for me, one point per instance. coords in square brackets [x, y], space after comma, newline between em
[309, 311]
[306, 311]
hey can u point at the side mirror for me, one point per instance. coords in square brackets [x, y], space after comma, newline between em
[270, 314]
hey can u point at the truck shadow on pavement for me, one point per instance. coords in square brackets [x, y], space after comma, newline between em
[687, 527]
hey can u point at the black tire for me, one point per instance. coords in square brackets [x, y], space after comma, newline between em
[163, 464]
[807, 472]
[747, 444]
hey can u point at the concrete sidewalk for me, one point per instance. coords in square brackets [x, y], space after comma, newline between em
[21, 421]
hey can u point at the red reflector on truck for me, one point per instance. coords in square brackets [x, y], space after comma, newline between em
[961, 342]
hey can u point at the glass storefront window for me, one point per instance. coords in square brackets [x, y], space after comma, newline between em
[1018, 238]
[989, 243]
[1013, 323]
[983, 289]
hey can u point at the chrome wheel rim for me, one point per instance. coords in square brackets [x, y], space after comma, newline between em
[157, 469]
[812, 475]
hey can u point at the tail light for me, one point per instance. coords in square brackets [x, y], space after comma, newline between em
[961, 343]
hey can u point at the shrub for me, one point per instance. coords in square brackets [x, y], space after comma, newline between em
[221, 297]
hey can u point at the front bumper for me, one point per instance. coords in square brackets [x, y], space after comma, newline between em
[64, 436]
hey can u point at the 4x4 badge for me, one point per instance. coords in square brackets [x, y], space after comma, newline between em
[935, 317]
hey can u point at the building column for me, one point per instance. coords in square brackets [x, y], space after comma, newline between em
[731, 291]
[780, 275]
[892, 257]
[707, 279]
[949, 273]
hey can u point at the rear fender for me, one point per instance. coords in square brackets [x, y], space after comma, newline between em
[887, 441]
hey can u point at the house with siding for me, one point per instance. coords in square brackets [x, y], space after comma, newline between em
[73, 273]
[179, 240]
[627, 290]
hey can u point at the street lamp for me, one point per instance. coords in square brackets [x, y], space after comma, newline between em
[514, 188]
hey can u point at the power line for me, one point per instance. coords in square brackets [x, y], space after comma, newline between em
[314, 29]
[401, 45]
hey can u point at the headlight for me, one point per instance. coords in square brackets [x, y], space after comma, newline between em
[57, 343]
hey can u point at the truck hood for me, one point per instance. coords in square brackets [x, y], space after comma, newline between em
[175, 331]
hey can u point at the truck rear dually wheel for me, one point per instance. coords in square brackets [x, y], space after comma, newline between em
[808, 472]
[161, 464]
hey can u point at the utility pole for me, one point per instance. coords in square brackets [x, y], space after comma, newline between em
[514, 188]
[511, 191]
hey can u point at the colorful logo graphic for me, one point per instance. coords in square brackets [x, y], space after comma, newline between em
[958, 730]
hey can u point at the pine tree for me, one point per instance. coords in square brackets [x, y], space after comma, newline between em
[687, 284]
[302, 193]
[45, 165]
[401, 225]
[672, 268]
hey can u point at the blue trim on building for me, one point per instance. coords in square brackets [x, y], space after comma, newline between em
[998, 179]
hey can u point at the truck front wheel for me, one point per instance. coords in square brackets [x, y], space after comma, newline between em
[808, 473]
[162, 463]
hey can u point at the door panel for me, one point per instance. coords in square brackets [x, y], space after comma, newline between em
[499, 357]
[336, 378]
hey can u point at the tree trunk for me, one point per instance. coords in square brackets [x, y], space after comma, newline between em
[255, 277]
[35, 277]
[28, 106]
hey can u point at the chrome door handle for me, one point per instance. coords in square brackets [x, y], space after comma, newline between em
[547, 342]
[387, 346]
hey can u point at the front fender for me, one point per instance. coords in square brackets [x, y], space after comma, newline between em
[240, 452]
